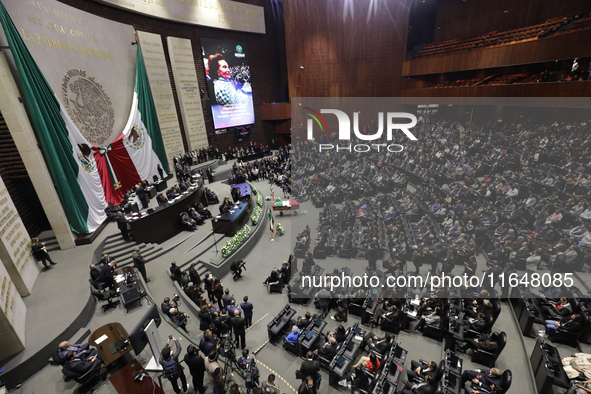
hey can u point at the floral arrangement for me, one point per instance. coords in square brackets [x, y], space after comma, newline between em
[256, 215]
[233, 244]
[279, 228]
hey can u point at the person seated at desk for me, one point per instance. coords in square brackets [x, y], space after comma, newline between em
[211, 196]
[173, 192]
[81, 365]
[329, 349]
[372, 363]
[340, 334]
[226, 205]
[292, 337]
[161, 199]
[391, 316]
[572, 323]
[430, 319]
[272, 278]
[482, 379]
[563, 308]
[193, 214]
[377, 344]
[204, 211]
[577, 366]
[303, 321]
[82, 352]
[484, 342]
[424, 387]
[188, 222]
[479, 324]
[94, 272]
[419, 371]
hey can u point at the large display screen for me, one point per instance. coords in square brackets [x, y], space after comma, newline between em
[228, 82]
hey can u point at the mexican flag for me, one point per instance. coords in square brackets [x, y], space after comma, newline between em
[271, 221]
[86, 177]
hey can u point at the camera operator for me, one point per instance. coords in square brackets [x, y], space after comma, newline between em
[208, 343]
[179, 318]
[236, 268]
[251, 372]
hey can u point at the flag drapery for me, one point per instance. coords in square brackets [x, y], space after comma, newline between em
[87, 177]
[271, 221]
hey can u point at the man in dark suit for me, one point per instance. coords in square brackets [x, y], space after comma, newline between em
[419, 371]
[379, 345]
[106, 259]
[311, 368]
[175, 272]
[166, 306]
[194, 275]
[303, 321]
[106, 274]
[329, 350]
[94, 272]
[209, 175]
[227, 298]
[196, 366]
[139, 263]
[239, 326]
[79, 365]
[140, 191]
[122, 225]
[247, 308]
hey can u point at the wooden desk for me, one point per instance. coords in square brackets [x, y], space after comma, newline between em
[123, 382]
[106, 346]
[165, 221]
[129, 293]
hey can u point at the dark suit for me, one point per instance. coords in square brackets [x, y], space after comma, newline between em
[82, 366]
[247, 308]
[239, 327]
[310, 368]
[140, 264]
[95, 274]
[196, 366]
[141, 194]
[106, 275]
[194, 275]
[122, 225]
[328, 351]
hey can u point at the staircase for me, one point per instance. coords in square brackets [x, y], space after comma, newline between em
[50, 242]
[121, 250]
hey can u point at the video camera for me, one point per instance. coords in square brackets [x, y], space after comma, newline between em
[176, 300]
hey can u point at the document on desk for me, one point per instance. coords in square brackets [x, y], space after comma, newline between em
[232, 211]
[101, 339]
[119, 278]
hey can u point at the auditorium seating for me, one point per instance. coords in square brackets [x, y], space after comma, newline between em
[509, 37]
[489, 358]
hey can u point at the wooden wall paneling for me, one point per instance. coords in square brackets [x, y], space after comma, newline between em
[549, 49]
[461, 20]
[345, 56]
[549, 89]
